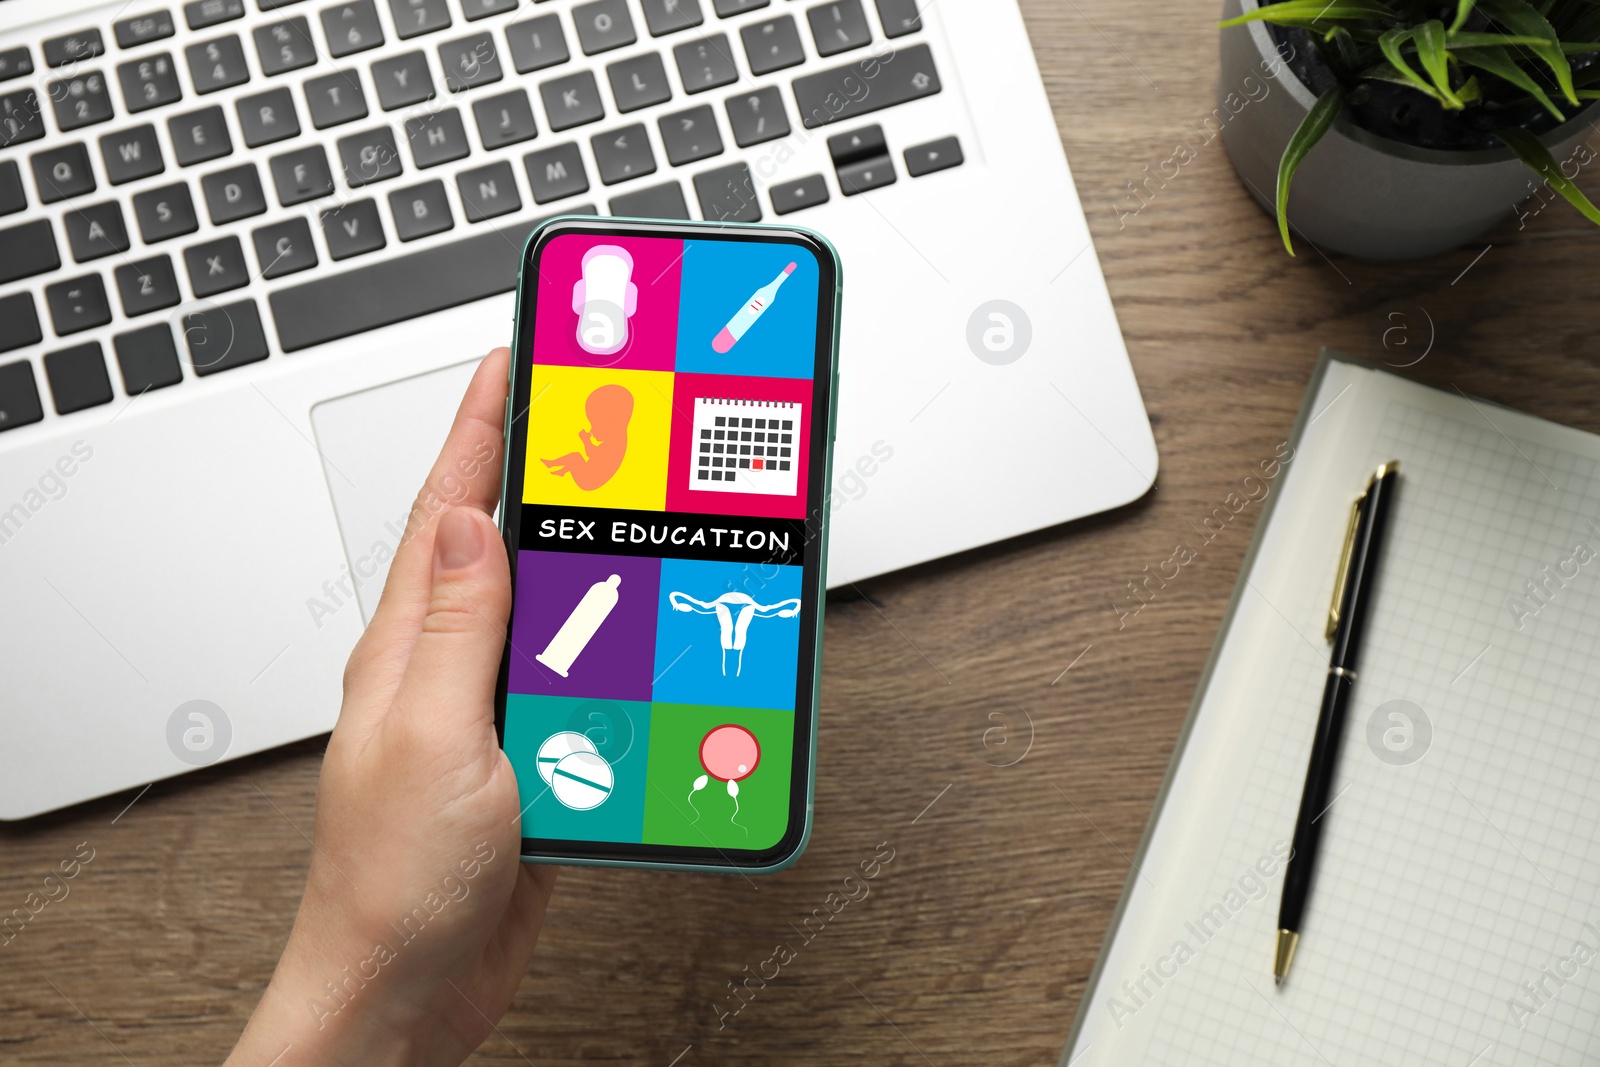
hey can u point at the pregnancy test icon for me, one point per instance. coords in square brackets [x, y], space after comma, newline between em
[746, 316]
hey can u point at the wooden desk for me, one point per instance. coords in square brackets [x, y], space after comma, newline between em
[974, 943]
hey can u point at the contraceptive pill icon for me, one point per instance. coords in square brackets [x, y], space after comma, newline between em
[604, 299]
[575, 634]
[578, 776]
[753, 309]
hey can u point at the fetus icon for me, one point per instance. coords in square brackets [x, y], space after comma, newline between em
[604, 443]
[734, 612]
[605, 298]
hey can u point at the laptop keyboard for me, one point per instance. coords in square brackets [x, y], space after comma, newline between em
[373, 160]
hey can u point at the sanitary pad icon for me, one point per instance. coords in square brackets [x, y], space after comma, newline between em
[605, 298]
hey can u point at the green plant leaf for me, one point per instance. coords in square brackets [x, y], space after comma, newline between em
[1499, 63]
[1313, 11]
[1429, 39]
[1532, 151]
[1589, 94]
[1463, 9]
[1524, 20]
[1390, 43]
[1573, 48]
[1489, 40]
[1305, 137]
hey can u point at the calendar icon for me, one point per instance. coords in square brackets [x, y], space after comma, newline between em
[746, 446]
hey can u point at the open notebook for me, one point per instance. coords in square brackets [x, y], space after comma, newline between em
[1455, 915]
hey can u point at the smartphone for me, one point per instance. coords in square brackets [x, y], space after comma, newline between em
[669, 438]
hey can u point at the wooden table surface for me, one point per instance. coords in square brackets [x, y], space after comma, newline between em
[1011, 794]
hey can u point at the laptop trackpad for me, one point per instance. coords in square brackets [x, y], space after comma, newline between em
[377, 446]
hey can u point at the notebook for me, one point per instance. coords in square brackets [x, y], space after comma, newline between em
[745, 446]
[1455, 915]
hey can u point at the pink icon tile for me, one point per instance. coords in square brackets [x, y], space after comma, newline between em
[739, 445]
[606, 301]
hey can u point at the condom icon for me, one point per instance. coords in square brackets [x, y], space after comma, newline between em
[729, 753]
[605, 298]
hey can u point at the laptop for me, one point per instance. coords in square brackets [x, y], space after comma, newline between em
[250, 251]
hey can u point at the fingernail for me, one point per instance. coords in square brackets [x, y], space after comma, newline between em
[458, 542]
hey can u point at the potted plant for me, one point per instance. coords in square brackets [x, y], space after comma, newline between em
[1404, 127]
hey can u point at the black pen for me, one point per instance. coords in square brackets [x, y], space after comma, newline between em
[1352, 592]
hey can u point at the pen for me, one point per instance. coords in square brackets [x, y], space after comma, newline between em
[1352, 592]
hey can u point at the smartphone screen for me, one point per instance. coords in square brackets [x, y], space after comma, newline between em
[671, 410]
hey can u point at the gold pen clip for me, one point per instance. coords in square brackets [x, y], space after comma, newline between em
[1349, 548]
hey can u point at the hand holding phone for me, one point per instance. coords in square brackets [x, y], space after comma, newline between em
[668, 449]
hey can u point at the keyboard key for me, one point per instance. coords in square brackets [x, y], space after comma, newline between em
[351, 28]
[899, 17]
[73, 48]
[19, 396]
[935, 155]
[15, 62]
[273, 5]
[482, 9]
[27, 250]
[78, 304]
[729, 8]
[203, 13]
[369, 157]
[413, 18]
[839, 26]
[505, 119]
[216, 266]
[131, 154]
[80, 101]
[20, 118]
[420, 211]
[165, 213]
[222, 338]
[233, 194]
[798, 194]
[146, 286]
[12, 197]
[386, 292]
[488, 191]
[284, 248]
[142, 29]
[335, 99]
[603, 25]
[402, 80]
[78, 378]
[868, 174]
[537, 43]
[217, 64]
[284, 46]
[623, 154]
[302, 175]
[727, 194]
[19, 327]
[663, 201]
[772, 45]
[469, 62]
[670, 16]
[437, 138]
[268, 117]
[96, 231]
[572, 101]
[149, 82]
[857, 145]
[757, 117]
[148, 359]
[353, 229]
[556, 172]
[62, 173]
[639, 82]
[706, 63]
[834, 96]
[690, 135]
[199, 136]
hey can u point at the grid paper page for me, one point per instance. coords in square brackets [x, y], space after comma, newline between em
[1454, 917]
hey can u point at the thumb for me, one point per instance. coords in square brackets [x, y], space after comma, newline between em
[450, 679]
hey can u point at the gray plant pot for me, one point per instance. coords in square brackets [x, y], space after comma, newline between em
[1356, 192]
